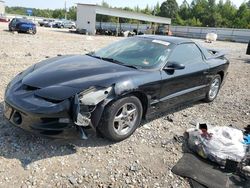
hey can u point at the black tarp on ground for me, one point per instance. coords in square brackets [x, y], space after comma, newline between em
[204, 173]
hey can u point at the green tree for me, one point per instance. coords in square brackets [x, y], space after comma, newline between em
[194, 22]
[169, 9]
[179, 21]
[184, 11]
[199, 10]
[242, 17]
[228, 12]
[72, 13]
[147, 10]
[58, 13]
[157, 9]
[248, 4]
[211, 14]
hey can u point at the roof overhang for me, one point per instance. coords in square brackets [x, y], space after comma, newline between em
[128, 14]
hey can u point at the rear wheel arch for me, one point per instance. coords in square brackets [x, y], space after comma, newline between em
[221, 73]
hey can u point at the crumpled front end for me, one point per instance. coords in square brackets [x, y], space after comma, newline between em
[36, 114]
[28, 108]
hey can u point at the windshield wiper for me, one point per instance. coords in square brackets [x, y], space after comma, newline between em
[91, 55]
[112, 61]
[118, 62]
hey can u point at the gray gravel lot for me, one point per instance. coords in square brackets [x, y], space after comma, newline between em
[143, 160]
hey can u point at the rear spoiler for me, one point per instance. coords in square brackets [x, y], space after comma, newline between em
[213, 54]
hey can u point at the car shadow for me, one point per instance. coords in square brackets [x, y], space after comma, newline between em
[65, 31]
[16, 143]
[171, 111]
[6, 30]
[20, 33]
[245, 60]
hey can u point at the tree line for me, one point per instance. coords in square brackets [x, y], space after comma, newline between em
[206, 13]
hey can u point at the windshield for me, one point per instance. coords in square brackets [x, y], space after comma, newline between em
[137, 51]
[24, 20]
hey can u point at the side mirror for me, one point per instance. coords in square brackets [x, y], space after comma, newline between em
[174, 66]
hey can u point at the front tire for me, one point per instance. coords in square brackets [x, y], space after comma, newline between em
[214, 88]
[121, 118]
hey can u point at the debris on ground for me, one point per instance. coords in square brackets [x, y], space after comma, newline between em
[218, 156]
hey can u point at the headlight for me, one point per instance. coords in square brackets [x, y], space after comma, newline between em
[93, 97]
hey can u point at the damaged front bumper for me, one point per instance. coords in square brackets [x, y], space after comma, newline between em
[75, 117]
[56, 125]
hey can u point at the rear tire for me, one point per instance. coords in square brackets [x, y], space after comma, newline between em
[214, 88]
[121, 118]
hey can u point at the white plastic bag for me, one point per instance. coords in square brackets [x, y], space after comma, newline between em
[225, 143]
[211, 37]
[218, 144]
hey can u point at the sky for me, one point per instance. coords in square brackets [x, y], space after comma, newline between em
[52, 4]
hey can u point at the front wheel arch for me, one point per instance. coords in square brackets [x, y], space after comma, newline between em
[105, 125]
[98, 113]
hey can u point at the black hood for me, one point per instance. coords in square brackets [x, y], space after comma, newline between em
[77, 72]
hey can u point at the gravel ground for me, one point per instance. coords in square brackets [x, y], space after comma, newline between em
[143, 160]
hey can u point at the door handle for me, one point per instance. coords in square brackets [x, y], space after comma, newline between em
[205, 72]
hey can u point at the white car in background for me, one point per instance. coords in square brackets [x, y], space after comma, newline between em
[68, 24]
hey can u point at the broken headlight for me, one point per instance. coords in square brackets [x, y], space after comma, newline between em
[86, 102]
[94, 96]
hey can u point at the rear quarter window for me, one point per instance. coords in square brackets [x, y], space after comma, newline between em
[185, 53]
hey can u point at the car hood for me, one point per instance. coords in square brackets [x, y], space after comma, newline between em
[61, 77]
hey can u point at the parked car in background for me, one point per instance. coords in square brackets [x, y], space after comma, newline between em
[4, 19]
[68, 24]
[57, 24]
[62, 24]
[112, 89]
[22, 25]
[49, 24]
[45, 22]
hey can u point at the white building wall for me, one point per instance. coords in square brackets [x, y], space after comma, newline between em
[86, 18]
[2, 8]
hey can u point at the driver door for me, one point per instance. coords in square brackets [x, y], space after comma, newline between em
[183, 85]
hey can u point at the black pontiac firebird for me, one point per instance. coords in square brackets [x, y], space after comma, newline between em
[111, 90]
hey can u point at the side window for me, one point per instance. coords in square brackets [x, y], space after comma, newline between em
[186, 54]
[13, 23]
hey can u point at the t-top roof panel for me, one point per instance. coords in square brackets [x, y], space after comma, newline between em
[128, 14]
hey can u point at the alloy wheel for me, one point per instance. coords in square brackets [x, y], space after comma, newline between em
[125, 119]
[214, 89]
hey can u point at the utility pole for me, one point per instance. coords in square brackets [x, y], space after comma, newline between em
[65, 9]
